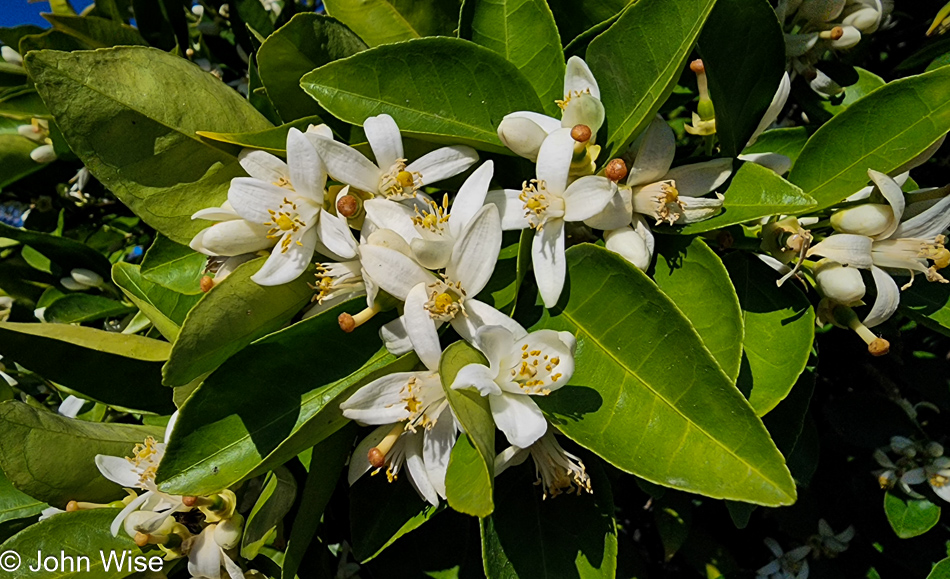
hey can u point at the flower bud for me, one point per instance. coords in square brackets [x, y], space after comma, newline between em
[934, 449]
[523, 136]
[228, 532]
[43, 154]
[866, 20]
[887, 479]
[86, 277]
[849, 37]
[71, 284]
[10, 55]
[839, 283]
[904, 446]
[869, 219]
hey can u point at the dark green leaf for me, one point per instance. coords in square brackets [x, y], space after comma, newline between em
[928, 303]
[277, 496]
[788, 142]
[66, 253]
[910, 518]
[52, 458]
[387, 21]
[77, 308]
[15, 504]
[463, 103]
[576, 17]
[642, 368]
[97, 32]
[271, 140]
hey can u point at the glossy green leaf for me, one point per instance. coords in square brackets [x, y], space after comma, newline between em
[910, 517]
[15, 161]
[868, 82]
[279, 397]
[15, 504]
[638, 60]
[788, 142]
[78, 537]
[835, 162]
[642, 368]
[928, 303]
[307, 42]
[165, 308]
[693, 276]
[64, 252]
[575, 17]
[743, 50]
[271, 140]
[77, 308]
[673, 513]
[387, 21]
[97, 32]
[92, 355]
[779, 330]
[462, 104]
[941, 570]
[528, 537]
[233, 314]
[145, 149]
[470, 475]
[52, 458]
[174, 266]
[277, 496]
[524, 32]
[755, 192]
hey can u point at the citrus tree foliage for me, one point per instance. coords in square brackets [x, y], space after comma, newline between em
[506, 288]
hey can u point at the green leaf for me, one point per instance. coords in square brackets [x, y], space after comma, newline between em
[576, 17]
[15, 504]
[80, 537]
[928, 303]
[233, 314]
[695, 430]
[387, 21]
[941, 570]
[755, 192]
[64, 252]
[673, 513]
[277, 496]
[528, 537]
[868, 82]
[638, 60]
[788, 142]
[96, 32]
[524, 32]
[52, 458]
[279, 397]
[693, 276]
[89, 357]
[15, 161]
[835, 162]
[144, 149]
[166, 309]
[330, 456]
[779, 330]
[174, 266]
[271, 140]
[307, 42]
[461, 104]
[469, 479]
[77, 308]
[910, 518]
[743, 50]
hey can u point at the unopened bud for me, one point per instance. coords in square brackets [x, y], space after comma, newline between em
[616, 170]
[86, 277]
[934, 449]
[228, 532]
[347, 206]
[869, 219]
[43, 154]
[839, 283]
[581, 133]
[207, 282]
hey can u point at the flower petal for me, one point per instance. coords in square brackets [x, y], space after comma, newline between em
[554, 161]
[652, 154]
[846, 249]
[888, 298]
[71, 407]
[928, 224]
[476, 251]
[523, 132]
[481, 314]
[334, 233]
[630, 245]
[511, 456]
[392, 270]
[381, 401]
[519, 418]
[308, 174]
[778, 163]
[263, 166]
[387, 214]
[497, 343]
[443, 163]
[421, 328]
[252, 198]
[285, 266]
[359, 461]
[584, 110]
[347, 165]
[223, 213]
[135, 504]
[775, 107]
[385, 140]
[118, 470]
[547, 255]
[204, 559]
[437, 448]
[479, 377]
[698, 209]
[229, 238]
[510, 207]
[432, 254]
[395, 337]
[895, 198]
[587, 197]
[698, 179]
[470, 198]
[578, 78]
[416, 466]
[616, 214]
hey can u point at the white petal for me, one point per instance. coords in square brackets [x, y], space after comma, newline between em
[888, 298]
[443, 163]
[579, 78]
[263, 166]
[308, 174]
[230, 238]
[616, 214]
[421, 328]
[928, 224]
[393, 271]
[554, 160]
[437, 448]
[470, 198]
[285, 266]
[550, 267]
[698, 209]
[476, 251]
[775, 107]
[395, 337]
[630, 245]
[334, 233]
[381, 401]
[519, 418]
[653, 153]
[523, 132]
[387, 214]
[252, 199]
[359, 461]
[510, 207]
[118, 470]
[135, 504]
[497, 343]
[895, 198]
[347, 165]
[587, 197]
[942, 492]
[432, 254]
[778, 163]
[418, 475]
[223, 213]
[511, 456]
[477, 376]
[698, 179]
[385, 140]
[71, 407]
[204, 559]
[233, 569]
[584, 110]
[481, 314]
[170, 427]
[846, 249]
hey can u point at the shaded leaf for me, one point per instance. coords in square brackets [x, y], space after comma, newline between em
[271, 140]
[64, 252]
[788, 142]
[165, 308]
[277, 496]
[77, 308]
[96, 32]
[386, 21]
[910, 518]
[15, 504]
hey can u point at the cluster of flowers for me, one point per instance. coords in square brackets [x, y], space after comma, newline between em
[813, 27]
[794, 564]
[916, 463]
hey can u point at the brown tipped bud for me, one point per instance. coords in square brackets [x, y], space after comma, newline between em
[581, 133]
[616, 170]
[189, 501]
[347, 206]
[207, 282]
[697, 66]
[879, 347]
[347, 323]
[376, 457]
[837, 32]
[72, 506]
[141, 539]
